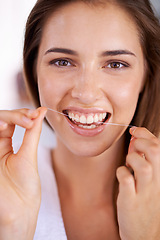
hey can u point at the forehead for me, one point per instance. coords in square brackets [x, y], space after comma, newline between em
[78, 24]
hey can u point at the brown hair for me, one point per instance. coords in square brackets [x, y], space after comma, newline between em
[148, 109]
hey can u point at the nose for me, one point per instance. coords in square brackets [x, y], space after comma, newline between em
[87, 88]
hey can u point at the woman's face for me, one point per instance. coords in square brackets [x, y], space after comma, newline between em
[91, 67]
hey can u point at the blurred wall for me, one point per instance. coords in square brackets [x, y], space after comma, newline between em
[13, 15]
[156, 4]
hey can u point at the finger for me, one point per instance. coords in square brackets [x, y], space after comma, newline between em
[31, 138]
[17, 117]
[33, 113]
[5, 148]
[6, 133]
[143, 171]
[10, 118]
[30, 113]
[151, 150]
[145, 142]
[21, 117]
[126, 183]
[141, 132]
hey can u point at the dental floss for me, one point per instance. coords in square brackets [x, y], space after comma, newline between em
[109, 123]
[57, 112]
[118, 124]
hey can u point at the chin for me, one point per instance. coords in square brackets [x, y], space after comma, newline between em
[86, 146]
[89, 149]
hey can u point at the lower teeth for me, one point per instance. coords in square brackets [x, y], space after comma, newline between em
[87, 127]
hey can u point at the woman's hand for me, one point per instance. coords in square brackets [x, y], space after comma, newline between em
[138, 203]
[19, 180]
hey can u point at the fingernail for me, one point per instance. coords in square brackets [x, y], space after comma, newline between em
[132, 138]
[44, 113]
[132, 130]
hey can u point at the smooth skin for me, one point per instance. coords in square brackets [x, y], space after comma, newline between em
[19, 179]
[89, 81]
[85, 167]
[138, 202]
[86, 78]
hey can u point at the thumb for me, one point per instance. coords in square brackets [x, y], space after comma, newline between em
[131, 145]
[31, 138]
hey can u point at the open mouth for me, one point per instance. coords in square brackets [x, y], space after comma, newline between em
[87, 121]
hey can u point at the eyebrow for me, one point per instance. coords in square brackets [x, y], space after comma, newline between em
[117, 52]
[103, 54]
[62, 50]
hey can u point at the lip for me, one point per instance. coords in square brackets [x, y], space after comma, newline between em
[82, 131]
[86, 132]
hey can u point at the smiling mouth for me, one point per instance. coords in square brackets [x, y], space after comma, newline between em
[87, 121]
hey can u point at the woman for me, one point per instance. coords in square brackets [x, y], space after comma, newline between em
[95, 66]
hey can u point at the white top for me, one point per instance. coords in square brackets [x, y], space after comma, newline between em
[50, 224]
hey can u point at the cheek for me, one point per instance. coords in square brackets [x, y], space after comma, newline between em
[127, 96]
[51, 89]
[124, 100]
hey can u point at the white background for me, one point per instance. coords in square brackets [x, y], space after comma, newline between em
[13, 15]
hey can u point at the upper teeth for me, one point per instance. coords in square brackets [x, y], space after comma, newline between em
[89, 119]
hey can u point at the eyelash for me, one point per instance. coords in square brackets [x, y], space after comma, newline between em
[56, 62]
[121, 65]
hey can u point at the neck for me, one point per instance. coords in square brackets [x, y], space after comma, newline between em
[88, 180]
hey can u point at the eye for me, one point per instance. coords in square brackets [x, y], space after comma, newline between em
[116, 65]
[60, 63]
